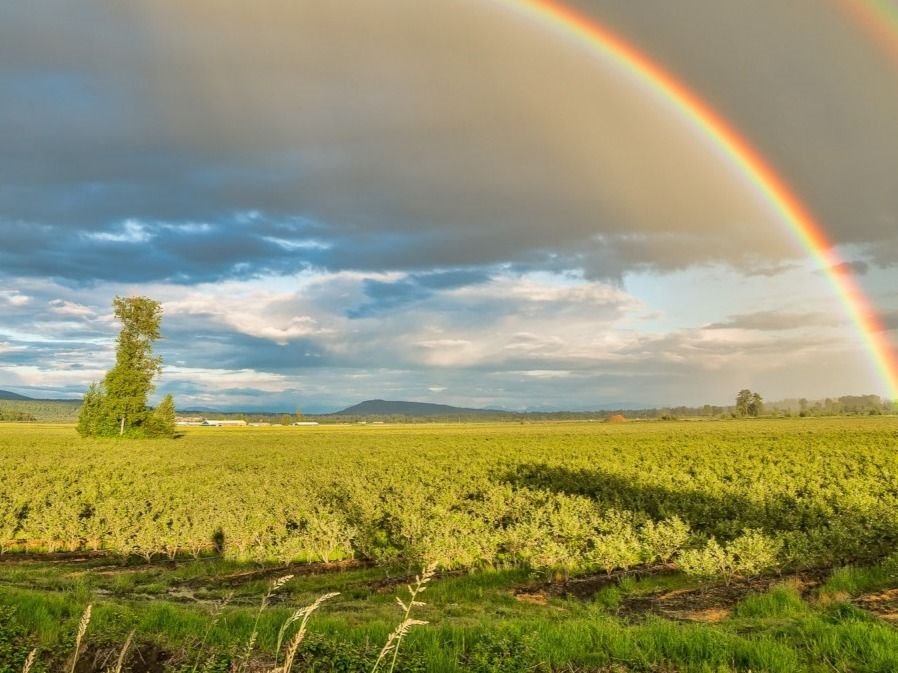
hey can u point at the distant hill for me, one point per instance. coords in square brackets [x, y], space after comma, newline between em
[412, 409]
[15, 407]
[6, 395]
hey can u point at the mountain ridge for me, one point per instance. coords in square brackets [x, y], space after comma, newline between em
[10, 396]
[403, 408]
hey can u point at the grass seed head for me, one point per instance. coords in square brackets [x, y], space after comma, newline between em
[305, 613]
[82, 629]
[29, 662]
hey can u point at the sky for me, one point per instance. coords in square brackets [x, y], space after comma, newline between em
[452, 201]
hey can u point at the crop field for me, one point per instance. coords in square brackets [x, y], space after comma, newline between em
[762, 545]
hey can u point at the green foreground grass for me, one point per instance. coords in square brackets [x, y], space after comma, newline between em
[477, 623]
[821, 494]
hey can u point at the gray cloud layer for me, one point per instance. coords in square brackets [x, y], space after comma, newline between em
[805, 83]
[404, 135]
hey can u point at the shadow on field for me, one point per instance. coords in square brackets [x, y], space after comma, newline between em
[849, 533]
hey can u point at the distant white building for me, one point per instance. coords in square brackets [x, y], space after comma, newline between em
[223, 424]
[189, 420]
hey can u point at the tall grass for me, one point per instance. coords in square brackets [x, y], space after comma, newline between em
[304, 614]
[273, 588]
[82, 629]
[394, 640]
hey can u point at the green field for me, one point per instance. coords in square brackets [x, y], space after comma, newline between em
[686, 546]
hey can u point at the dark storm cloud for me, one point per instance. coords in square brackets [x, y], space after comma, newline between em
[398, 156]
[803, 81]
[212, 346]
[133, 251]
[385, 296]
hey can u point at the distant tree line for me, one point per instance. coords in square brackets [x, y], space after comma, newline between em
[847, 405]
[18, 416]
[754, 406]
[54, 411]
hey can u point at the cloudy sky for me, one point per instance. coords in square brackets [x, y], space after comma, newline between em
[450, 201]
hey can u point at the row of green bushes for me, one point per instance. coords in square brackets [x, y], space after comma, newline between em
[567, 498]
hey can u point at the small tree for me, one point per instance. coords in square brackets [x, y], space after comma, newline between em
[95, 418]
[118, 404]
[161, 421]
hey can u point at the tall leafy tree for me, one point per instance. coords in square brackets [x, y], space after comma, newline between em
[118, 404]
[755, 405]
[749, 403]
[743, 399]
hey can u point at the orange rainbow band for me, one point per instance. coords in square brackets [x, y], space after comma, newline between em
[745, 157]
[879, 18]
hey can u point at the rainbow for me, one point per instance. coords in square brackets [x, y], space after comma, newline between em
[879, 18]
[743, 156]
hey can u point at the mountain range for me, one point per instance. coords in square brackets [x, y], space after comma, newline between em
[6, 395]
[417, 409]
[368, 408]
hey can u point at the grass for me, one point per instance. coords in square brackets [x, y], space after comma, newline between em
[476, 625]
[853, 581]
[781, 602]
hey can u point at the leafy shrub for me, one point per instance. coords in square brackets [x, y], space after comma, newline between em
[753, 553]
[662, 540]
[14, 648]
[501, 653]
[709, 561]
[749, 554]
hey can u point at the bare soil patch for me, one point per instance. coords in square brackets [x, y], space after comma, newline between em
[884, 604]
[140, 658]
[714, 602]
[585, 587]
[52, 557]
[710, 603]
[296, 569]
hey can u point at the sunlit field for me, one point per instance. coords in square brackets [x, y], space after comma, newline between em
[763, 545]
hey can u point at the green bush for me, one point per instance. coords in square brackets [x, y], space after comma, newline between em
[749, 554]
